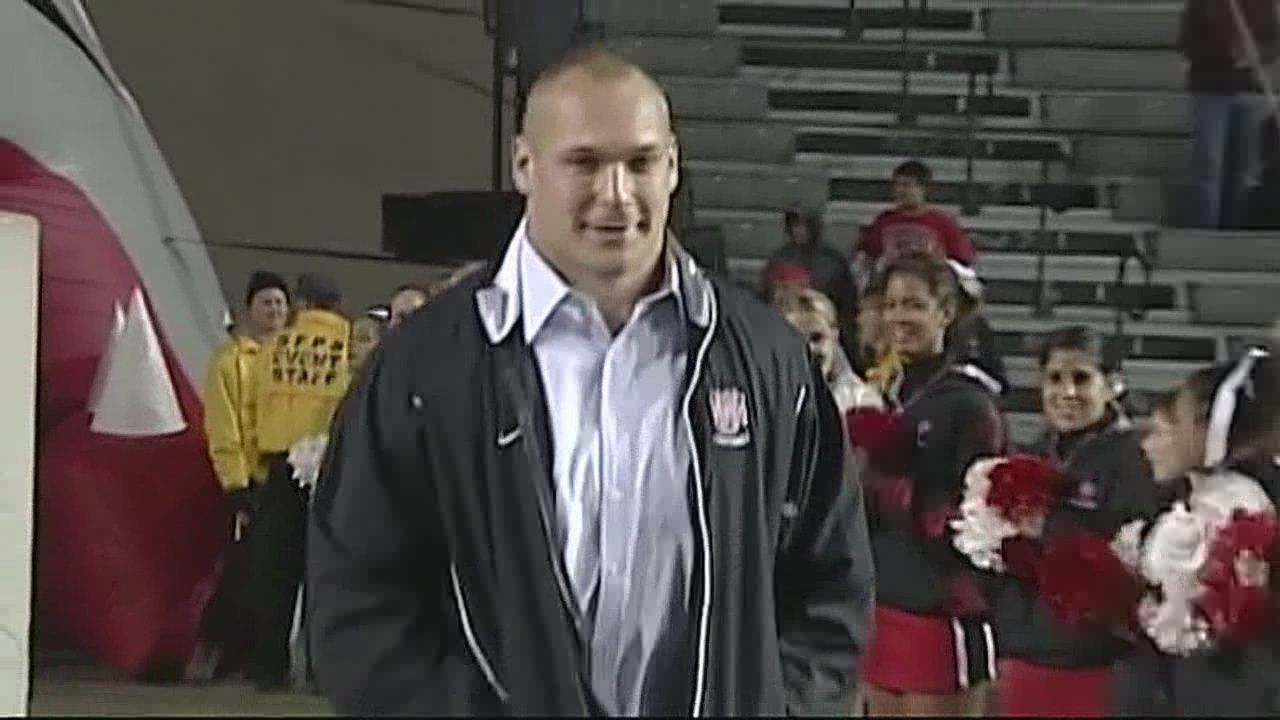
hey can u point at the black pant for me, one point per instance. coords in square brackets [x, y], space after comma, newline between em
[227, 624]
[277, 546]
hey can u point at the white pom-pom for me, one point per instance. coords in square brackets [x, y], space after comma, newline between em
[305, 457]
[1173, 626]
[1176, 550]
[1127, 544]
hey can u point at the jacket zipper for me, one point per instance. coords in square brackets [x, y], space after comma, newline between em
[477, 653]
[533, 452]
[704, 619]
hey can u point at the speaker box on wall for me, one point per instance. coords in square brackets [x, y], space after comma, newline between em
[451, 227]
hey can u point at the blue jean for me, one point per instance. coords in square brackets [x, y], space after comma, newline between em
[1223, 141]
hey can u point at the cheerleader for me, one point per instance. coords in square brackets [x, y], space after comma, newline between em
[1213, 444]
[932, 650]
[1048, 669]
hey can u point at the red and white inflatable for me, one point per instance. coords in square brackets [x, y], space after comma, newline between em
[128, 512]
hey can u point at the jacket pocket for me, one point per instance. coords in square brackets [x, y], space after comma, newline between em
[473, 643]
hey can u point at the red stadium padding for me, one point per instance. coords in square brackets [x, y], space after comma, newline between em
[129, 529]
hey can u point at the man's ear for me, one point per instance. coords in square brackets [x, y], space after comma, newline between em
[673, 169]
[521, 161]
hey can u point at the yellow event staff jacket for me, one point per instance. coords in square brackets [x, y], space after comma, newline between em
[301, 375]
[228, 414]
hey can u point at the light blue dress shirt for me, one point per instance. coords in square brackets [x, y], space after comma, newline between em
[621, 467]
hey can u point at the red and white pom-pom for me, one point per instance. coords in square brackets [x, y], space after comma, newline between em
[1209, 562]
[1171, 560]
[1084, 583]
[1004, 498]
[1022, 489]
[1236, 598]
[879, 433]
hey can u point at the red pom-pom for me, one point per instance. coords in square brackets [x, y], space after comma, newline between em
[1237, 613]
[1236, 600]
[1084, 583]
[1255, 533]
[1022, 487]
[1023, 558]
[879, 433]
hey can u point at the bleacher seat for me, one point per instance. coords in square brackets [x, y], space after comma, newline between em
[760, 142]
[794, 15]
[654, 17]
[841, 55]
[678, 55]
[716, 99]
[1093, 25]
[1212, 250]
[741, 185]
[1126, 111]
[1228, 304]
[1054, 68]
[1119, 155]
[925, 102]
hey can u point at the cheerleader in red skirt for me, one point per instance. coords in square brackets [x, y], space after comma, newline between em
[933, 650]
[1049, 669]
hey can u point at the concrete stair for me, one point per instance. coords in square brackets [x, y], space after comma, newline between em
[791, 103]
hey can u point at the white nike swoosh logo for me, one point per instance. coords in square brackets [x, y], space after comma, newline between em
[509, 437]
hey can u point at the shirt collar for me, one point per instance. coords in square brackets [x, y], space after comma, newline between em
[525, 285]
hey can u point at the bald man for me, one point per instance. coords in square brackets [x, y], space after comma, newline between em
[622, 489]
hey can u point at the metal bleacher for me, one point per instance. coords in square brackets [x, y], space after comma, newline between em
[1055, 127]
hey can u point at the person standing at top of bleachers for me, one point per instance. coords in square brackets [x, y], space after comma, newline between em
[1223, 82]
[912, 224]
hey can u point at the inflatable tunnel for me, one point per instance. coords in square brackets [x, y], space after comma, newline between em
[129, 520]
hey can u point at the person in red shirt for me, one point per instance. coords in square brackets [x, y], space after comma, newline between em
[912, 224]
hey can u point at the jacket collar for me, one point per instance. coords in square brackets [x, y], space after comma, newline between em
[319, 317]
[501, 303]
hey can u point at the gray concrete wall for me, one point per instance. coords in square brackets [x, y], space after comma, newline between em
[285, 121]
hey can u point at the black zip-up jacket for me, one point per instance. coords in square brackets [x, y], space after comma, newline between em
[1229, 682]
[1108, 483]
[950, 419]
[435, 584]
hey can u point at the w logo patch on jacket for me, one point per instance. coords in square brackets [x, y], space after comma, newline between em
[729, 417]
